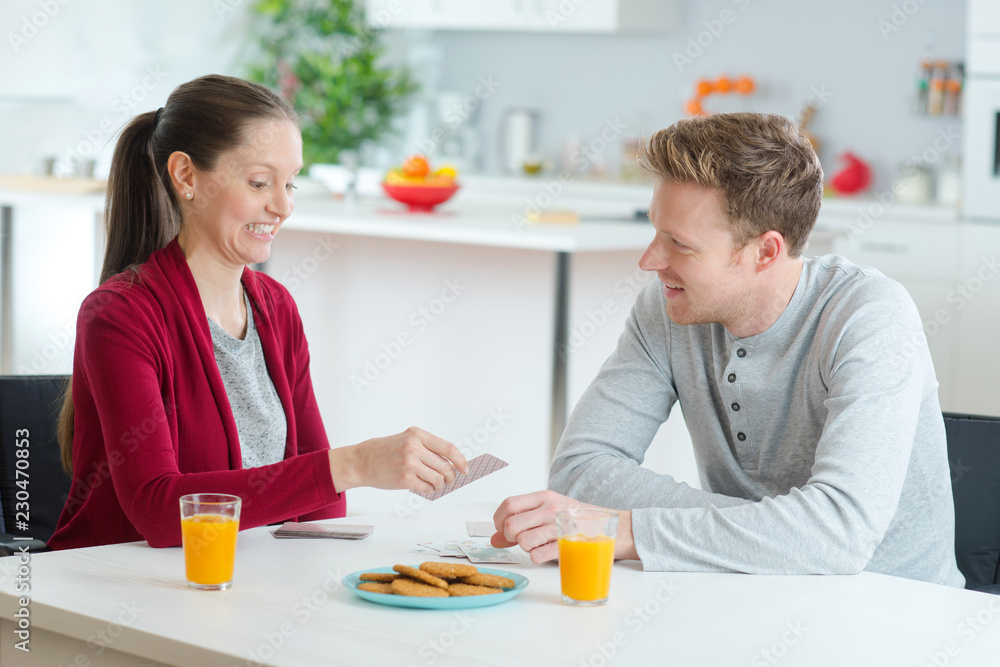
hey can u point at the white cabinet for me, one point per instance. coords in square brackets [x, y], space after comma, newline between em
[602, 16]
[976, 296]
[576, 16]
[983, 17]
[56, 248]
[446, 14]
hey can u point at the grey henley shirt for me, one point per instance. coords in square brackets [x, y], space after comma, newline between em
[819, 442]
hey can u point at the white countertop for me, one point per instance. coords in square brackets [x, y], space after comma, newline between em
[479, 224]
[287, 602]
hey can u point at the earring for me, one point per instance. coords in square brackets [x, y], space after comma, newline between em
[188, 195]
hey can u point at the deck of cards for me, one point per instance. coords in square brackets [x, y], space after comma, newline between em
[335, 531]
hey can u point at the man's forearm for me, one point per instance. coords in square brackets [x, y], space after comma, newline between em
[622, 484]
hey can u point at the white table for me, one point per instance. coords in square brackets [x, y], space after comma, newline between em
[287, 607]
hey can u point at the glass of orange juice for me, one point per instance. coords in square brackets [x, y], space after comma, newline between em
[209, 524]
[586, 554]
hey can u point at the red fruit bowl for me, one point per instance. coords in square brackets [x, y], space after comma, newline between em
[420, 198]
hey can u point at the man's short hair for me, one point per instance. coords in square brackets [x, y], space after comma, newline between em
[764, 167]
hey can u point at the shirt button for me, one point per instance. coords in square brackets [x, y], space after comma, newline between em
[736, 407]
[732, 377]
[741, 436]
[741, 352]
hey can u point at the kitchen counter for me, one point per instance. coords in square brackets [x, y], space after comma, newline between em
[471, 224]
[867, 208]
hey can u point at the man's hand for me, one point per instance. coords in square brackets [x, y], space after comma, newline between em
[530, 522]
[414, 459]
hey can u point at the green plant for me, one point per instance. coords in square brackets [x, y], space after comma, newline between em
[320, 55]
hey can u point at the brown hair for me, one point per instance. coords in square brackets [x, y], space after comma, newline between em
[203, 118]
[765, 169]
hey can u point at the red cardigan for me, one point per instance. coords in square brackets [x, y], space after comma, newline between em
[153, 421]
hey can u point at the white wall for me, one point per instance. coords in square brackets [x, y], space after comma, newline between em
[68, 86]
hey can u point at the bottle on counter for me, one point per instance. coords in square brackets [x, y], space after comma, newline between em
[953, 90]
[923, 86]
[936, 92]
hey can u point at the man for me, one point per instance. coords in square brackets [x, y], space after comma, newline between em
[806, 385]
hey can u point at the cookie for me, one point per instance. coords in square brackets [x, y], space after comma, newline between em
[420, 575]
[383, 577]
[376, 587]
[462, 590]
[482, 579]
[448, 570]
[406, 586]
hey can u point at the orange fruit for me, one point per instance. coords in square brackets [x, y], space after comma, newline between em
[415, 166]
[745, 85]
[693, 107]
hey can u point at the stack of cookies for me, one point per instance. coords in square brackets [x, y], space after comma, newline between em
[434, 580]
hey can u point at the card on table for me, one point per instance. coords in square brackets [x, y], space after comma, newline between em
[444, 548]
[482, 465]
[423, 551]
[483, 553]
[480, 528]
[323, 530]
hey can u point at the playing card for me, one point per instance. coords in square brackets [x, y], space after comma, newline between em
[445, 547]
[323, 530]
[425, 551]
[455, 549]
[480, 528]
[480, 553]
[482, 465]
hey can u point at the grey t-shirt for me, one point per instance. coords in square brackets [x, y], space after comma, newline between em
[819, 442]
[260, 419]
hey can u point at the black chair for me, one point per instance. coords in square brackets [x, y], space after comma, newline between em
[33, 486]
[974, 458]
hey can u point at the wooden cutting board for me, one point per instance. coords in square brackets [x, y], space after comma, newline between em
[69, 186]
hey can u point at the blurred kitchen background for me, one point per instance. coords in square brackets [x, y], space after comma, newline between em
[94, 65]
[540, 106]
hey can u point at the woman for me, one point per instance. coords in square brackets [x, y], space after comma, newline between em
[191, 372]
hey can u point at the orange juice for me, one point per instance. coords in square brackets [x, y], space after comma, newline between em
[209, 548]
[585, 566]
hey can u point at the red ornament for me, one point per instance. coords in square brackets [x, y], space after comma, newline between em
[854, 177]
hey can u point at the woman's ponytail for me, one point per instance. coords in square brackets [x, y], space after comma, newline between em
[140, 214]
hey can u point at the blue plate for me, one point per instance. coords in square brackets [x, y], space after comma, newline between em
[352, 580]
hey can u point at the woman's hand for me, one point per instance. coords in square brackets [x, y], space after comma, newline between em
[414, 459]
[530, 522]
